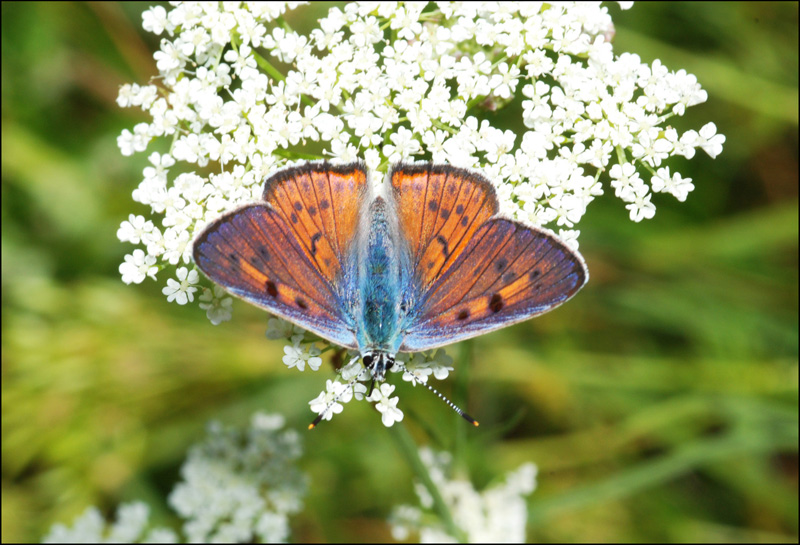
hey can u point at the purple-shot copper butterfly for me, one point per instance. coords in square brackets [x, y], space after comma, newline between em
[422, 261]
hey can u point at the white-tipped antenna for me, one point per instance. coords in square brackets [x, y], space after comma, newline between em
[441, 396]
[336, 398]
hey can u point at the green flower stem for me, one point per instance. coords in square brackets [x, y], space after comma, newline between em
[411, 452]
[621, 156]
[294, 155]
[444, 126]
[268, 68]
[475, 101]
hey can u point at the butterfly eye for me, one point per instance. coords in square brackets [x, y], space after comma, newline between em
[389, 364]
[367, 361]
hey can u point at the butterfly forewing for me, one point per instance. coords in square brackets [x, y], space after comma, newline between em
[257, 255]
[439, 208]
[508, 273]
[321, 205]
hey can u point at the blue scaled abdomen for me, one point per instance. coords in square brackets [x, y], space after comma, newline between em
[379, 282]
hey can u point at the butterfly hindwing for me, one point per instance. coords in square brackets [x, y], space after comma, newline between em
[439, 208]
[321, 203]
[256, 255]
[508, 272]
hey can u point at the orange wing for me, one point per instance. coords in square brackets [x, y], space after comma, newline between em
[439, 208]
[509, 272]
[255, 254]
[321, 204]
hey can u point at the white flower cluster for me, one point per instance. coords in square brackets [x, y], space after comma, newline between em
[351, 383]
[496, 515]
[238, 487]
[130, 526]
[240, 94]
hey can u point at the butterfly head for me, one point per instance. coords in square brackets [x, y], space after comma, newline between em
[378, 363]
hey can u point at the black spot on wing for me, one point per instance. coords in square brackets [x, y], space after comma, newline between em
[314, 239]
[496, 303]
[441, 240]
[272, 289]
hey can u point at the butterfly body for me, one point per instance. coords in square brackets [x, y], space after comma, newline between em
[426, 262]
[381, 279]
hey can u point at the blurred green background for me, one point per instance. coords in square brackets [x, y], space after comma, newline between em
[660, 404]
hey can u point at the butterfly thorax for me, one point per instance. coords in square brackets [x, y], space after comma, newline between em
[379, 284]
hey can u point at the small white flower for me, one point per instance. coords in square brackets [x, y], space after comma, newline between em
[421, 365]
[386, 405]
[298, 356]
[134, 229]
[278, 328]
[569, 237]
[504, 83]
[155, 20]
[710, 141]
[216, 304]
[675, 184]
[331, 399]
[403, 146]
[137, 266]
[416, 370]
[182, 291]
[366, 31]
[641, 207]
[624, 179]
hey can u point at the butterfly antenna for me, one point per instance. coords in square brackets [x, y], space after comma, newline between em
[441, 396]
[333, 402]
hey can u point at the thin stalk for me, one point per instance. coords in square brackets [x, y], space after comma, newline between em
[409, 449]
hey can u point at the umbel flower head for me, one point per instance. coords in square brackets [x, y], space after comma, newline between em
[238, 486]
[241, 94]
[497, 514]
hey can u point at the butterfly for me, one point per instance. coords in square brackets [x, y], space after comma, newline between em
[420, 261]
